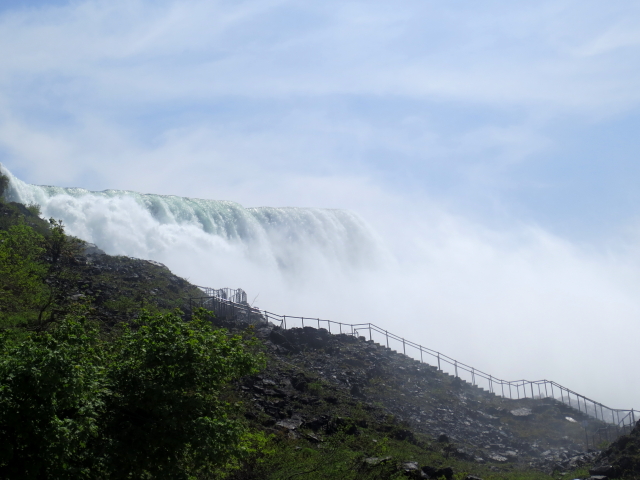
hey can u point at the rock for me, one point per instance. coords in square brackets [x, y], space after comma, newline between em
[277, 338]
[472, 477]
[432, 472]
[374, 461]
[410, 466]
[317, 423]
[290, 423]
[598, 477]
[443, 438]
[521, 412]
[299, 382]
[461, 453]
[497, 458]
[446, 472]
[602, 470]
[403, 434]
[93, 249]
[312, 438]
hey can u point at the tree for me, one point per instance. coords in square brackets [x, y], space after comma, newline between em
[166, 418]
[4, 185]
[23, 291]
[75, 403]
[52, 392]
[35, 274]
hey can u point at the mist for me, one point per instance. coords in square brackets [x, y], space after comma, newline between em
[518, 303]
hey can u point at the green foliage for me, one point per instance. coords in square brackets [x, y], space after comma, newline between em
[315, 387]
[35, 271]
[34, 209]
[4, 184]
[145, 404]
[52, 391]
[167, 419]
[23, 291]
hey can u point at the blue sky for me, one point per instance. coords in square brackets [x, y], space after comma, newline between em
[503, 112]
[492, 145]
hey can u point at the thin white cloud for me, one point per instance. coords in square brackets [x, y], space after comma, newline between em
[140, 51]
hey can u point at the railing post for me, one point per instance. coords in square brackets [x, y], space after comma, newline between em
[404, 350]
[439, 362]
[490, 385]
[421, 360]
[370, 336]
[586, 436]
[455, 364]
[473, 377]
[531, 385]
[387, 335]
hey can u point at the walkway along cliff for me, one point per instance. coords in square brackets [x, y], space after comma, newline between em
[599, 422]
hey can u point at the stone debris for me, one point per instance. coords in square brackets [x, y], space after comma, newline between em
[374, 461]
[468, 423]
[522, 412]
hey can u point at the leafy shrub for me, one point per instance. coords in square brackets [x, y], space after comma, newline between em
[35, 209]
[145, 404]
[4, 184]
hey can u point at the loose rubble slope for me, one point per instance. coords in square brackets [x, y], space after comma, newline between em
[316, 382]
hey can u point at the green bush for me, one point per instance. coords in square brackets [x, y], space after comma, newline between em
[145, 404]
[52, 392]
[34, 209]
[4, 184]
[23, 291]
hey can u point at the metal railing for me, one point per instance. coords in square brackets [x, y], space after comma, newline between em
[620, 421]
[235, 295]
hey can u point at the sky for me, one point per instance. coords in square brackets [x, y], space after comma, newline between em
[490, 144]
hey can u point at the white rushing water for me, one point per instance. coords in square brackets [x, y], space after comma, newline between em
[214, 243]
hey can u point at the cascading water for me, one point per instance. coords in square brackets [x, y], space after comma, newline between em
[219, 243]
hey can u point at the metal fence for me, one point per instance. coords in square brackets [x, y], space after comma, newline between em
[235, 295]
[620, 421]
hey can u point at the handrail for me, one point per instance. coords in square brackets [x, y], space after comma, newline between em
[619, 421]
[235, 295]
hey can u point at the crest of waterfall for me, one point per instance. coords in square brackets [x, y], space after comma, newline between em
[209, 234]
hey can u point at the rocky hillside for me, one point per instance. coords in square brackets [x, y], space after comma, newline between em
[622, 458]
[315, 381]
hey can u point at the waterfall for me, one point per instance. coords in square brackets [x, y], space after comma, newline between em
[210, 240]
